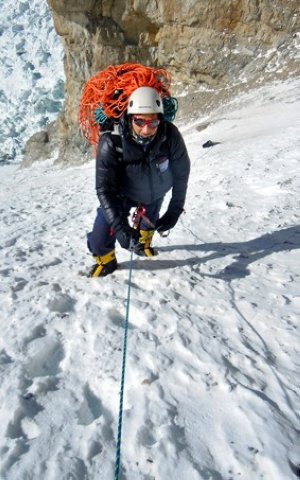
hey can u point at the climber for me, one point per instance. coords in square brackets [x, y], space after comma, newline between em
[137, 163]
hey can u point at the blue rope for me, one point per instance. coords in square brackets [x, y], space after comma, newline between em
[119, 438]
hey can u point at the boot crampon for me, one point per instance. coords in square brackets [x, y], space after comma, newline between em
[105, 264]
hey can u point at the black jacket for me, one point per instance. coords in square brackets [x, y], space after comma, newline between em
[125, 169]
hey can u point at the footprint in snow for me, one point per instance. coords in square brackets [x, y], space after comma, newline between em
[46, 356]
[91, 407]
[61, 303]
[5, 359]
[13, 455]
[19, 284]
[11, 242]
[116, 317]
[66, 466]
[22, 425]
[145, 436]
[5, 272]
[38, 332]
[94, 449]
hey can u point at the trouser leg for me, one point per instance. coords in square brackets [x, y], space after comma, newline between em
[101, 240]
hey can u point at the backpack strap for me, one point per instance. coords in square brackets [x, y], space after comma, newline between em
[116, 138]
[117, 141]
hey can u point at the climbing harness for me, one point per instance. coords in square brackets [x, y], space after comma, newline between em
[119, 436]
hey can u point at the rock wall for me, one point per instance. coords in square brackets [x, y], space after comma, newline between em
[212, 43]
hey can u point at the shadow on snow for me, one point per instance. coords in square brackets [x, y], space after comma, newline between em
[245, 253]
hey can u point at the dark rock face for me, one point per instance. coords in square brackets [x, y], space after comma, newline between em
[219, 43]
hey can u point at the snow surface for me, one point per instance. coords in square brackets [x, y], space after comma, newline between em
[212, 379]
[31, 74]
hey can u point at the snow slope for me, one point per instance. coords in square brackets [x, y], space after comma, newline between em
[212, 380]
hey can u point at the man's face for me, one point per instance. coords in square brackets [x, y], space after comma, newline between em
[145, 125]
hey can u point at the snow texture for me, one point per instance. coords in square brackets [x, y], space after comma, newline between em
[212, 378]
[31, 74]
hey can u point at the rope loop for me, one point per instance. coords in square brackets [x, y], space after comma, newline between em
[105, 96]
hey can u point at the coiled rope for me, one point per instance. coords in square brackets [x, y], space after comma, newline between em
[105, 96]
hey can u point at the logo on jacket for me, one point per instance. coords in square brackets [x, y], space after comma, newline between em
[163, 164]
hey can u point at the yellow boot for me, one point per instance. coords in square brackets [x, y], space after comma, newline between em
[105, 265]
[143, 248]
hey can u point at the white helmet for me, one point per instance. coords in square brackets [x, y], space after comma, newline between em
[145, 100]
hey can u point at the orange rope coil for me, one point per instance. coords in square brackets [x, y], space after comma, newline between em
[110, 89]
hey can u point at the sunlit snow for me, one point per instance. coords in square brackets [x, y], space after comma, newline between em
[212, 380]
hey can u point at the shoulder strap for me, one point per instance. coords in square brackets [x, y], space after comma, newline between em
[116, 139]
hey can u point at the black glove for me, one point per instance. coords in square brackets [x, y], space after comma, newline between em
[126, 236]
[167, 221]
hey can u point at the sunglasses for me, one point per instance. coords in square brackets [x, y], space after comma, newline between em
[140, 122]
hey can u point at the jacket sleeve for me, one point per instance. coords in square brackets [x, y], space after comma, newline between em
[107, 174]
[180, 164]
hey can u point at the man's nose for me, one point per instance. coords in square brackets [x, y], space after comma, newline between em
[146, 129]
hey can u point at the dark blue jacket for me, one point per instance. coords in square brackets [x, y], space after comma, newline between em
[125, 169]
